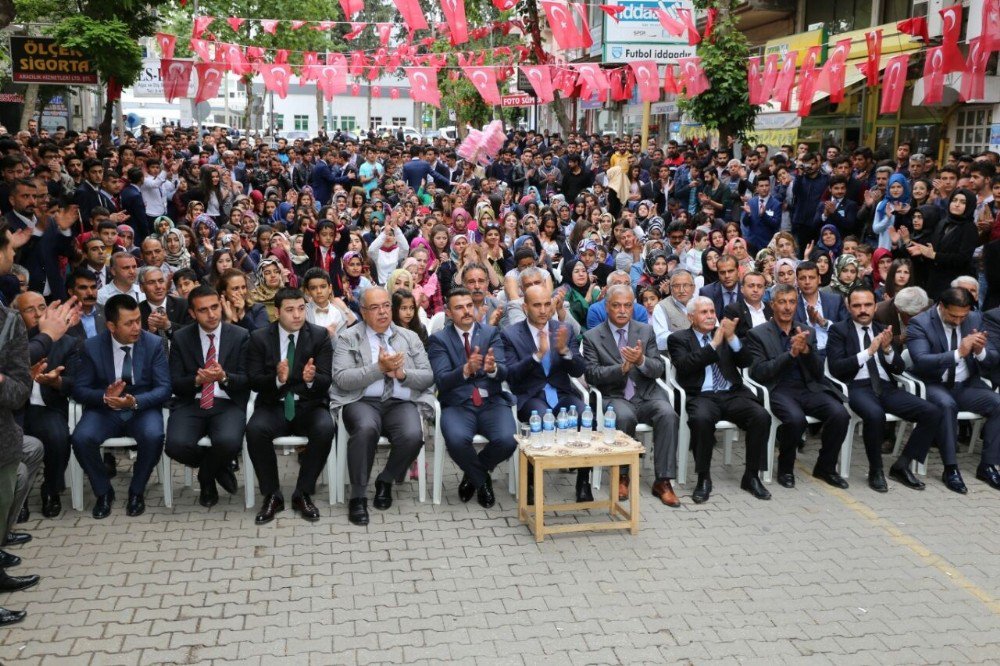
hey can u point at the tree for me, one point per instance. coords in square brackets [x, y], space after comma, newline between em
[726, 105]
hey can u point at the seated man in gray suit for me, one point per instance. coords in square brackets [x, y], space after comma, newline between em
[380, 371]
[624, 363]
[671, 313]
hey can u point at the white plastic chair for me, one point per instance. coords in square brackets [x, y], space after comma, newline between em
[436, 324]
[341, 464]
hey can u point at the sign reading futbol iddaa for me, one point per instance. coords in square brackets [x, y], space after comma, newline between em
[661, 54]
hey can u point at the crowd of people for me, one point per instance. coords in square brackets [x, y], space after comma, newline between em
[351, 283]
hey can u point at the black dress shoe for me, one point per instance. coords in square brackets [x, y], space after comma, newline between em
[51, 505]
[484, 494]
[209, 496]
[702, 490]
[8, 560]
[751, 483]
[23, 514]
[234, 464]
[111, 463]
[227, 479]
[357, 511]
[989, 474]
[786, 479]
[15, 583]
[136, 505]
[272, 504]
[584, 491]
[304, 505]
[906, 477]
[834, 479]
[953, 481]
[102, 507]
[876, 481]
[465, 489]
[383, 495]
[8, 617]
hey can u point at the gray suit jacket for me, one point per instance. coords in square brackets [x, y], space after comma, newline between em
[15, 389]
[353, 370]
[604, 362]
[769, 361]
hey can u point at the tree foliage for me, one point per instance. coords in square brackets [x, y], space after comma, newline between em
[726, 105]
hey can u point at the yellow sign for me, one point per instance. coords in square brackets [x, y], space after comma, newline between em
[893, 41]
[801, 42]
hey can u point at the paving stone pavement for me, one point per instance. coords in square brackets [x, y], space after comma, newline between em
[815, 576]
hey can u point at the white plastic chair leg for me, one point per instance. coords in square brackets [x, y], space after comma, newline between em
[75, 482]
[977, 430]
[422, 474]
[771, 439]
[595, 478]
[683, 450]
[846, 449]
[728, 438]
[248, 478]
[438, 464]
[165, 479]
[512, 474]
[188, 477]
[341, 472]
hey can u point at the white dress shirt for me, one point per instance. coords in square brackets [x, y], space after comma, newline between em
[203, 336]
[961, 367]
[864, 356]
[118, 353]
[326, 316]
[375, 390]
[757, 315]
[111, 289]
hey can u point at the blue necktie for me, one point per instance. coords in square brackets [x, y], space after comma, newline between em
[719, 381]
[551, 397]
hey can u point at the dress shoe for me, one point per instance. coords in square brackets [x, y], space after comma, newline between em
[584, 492]
[111, 463]
[136, 505]
[357, 511]
[466, 490]
[15, 583]
[102, 507]
[702, 490]
[8, 617]
[831, 477]
[623, 483]
[51, 505]
[906, 477]
[23, 514]
[8, 560]
[383, 495]
[234, 465]
[786, 479]
[953, 481]
[751, 483]
[665, 492]
[876, 481]
[272, 504]
[304, 505]
[209, 496]
[484, 494]
[989, 474]
[227, 479]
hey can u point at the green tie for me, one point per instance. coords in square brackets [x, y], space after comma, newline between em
[289, 396]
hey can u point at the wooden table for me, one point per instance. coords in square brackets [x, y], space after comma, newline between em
[595, 454]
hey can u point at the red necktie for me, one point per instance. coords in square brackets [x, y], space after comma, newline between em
[208, 390]
[477, 399]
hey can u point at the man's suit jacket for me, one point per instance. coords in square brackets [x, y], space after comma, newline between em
[264, 355]
[322, 179]
[833, 308]
[177, 313]
[186, 358]
[78, 331]
[354, 371]
[931, 352]
[843, 347]
[604, 361]
[714, 291]
[15, 389]
[769, 361]
[133, 204]
[87, 198]
[525, 375]
[739, 310]
[690, 359]
[991, 320]
[845, 217]
[40, 256]
[759, 226]
[446, 352]
[96, 371]
[63, 352]
[416, 171]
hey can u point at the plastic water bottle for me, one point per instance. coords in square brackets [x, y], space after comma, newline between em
[562, 425]
[549, 427]
[587, 419]
[574, 422]
[609, 425]
[535, 422]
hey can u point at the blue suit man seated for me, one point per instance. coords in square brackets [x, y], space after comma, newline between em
[726, 291]
[540, 361]
[761, 217]
[122, 381]
[468, 364]
[817, 309]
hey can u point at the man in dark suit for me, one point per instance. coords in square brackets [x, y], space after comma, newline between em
[207, 370]
[162, 314]
[761, 217]
[837, 209]
[416, 171]
[624, 363]
[48, 241]
[861, 354]
[122, 381]
[469, 368]
[784, 359]
[540, 362]
[727, 290]
[289, 365]
[950, 353]
[991, 322]
[708, 357]
[816, 309]
[82, 284]
[323, 178]
[752, 310]
[88, 194]
[133, 204]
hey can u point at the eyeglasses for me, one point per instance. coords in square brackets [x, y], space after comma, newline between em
[378, 307]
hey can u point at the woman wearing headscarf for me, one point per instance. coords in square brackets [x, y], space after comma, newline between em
[654, 271]
[845, 275]
[177, 255]
[269, 280]
[895, 205]
[830, 241]
[709, 259]
[950, 250]
[586, 252]
[880, 268]
[580, 290]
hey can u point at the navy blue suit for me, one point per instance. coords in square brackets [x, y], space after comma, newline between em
[714, 291]
[461, 420]
[833, 308]
[759, 226]
[88, 198]
[133, 204]
[845, 217]
[40, 256]
[526, 376]
[415, 172]
[321, 180]
[151, 388]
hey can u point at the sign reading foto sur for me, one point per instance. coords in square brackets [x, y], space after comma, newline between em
[41, 60]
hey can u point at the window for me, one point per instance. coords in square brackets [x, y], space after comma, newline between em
[972, 130]
[398, 121]
[348, 123]
[894, 11]
[278, 120]
[376, 121]
[301, 122]
[840, 15]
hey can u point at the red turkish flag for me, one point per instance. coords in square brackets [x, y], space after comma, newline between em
[394, 93]
[270, 26]
[612, 10]
[540, 78]
[209, 79]
[991, 26]
[454, 14]
[167, 44]
[622, 83]
[504, 5]
[893, 83]
[687, 18]
[201, 24]
[934, 75]
[412, 14]
[281, 56]
[235, 23]
[485, 81]
[298, 24]
[235, 59]
[593, 81]
[785, 81]
[916, 27]
[755, 84]
[808, 80]
[358, 63]
[873, 39]
[710, 17]
[974, 76]
[384, 32]
[567, 33]
[276, 78]
[256, 54]
[693, 77]
[356, 30]
[832, 76]
[670, 86]
[950, 32]
[351, 7]
[770, 78]
[176, 75]
[565, 81]
[323, 26]
[200, 47]
[647, 77]
[424, 85]
[673, 26]
[376, 91]
[355, 89]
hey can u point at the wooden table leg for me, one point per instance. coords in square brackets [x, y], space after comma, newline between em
[633, 491]
[613, 481]
[539, 500]
[522, 486]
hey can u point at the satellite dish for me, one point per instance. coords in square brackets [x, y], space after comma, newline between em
[202, 110]
[132, 120]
